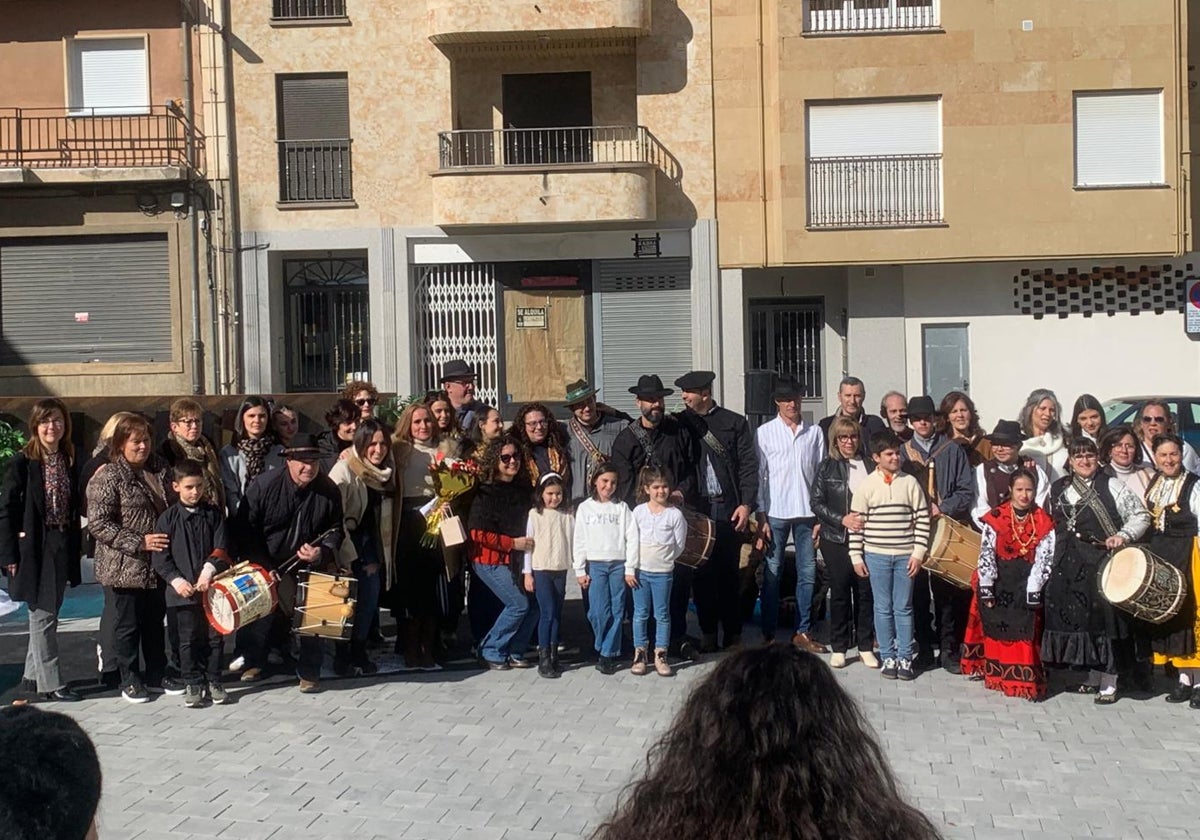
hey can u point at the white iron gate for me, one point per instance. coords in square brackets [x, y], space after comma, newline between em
[455, 318]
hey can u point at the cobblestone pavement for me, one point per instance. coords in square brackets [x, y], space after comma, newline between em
[471, 754]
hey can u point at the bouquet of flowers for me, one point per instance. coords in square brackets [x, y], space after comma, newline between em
[452, 477]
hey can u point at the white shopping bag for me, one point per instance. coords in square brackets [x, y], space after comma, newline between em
[7, 604]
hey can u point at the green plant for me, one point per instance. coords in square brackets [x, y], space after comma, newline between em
[389, 410]
[11, 441]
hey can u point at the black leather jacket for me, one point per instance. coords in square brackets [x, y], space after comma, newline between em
[830, 493]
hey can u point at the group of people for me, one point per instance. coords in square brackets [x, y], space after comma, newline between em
[609, 497]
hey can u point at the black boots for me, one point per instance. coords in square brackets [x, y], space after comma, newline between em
[546, 664]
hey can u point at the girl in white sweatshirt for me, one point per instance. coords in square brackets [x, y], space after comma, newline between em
[552, 530]
[662, 532]
[606, 540]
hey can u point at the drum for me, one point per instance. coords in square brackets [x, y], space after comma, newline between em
[239, 596]
[1142, 584]
[324, 605]
[701, 534]
[954, 553]
[752, 545]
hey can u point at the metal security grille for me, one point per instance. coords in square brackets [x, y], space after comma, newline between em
[645, 325]
[785, 336]
[455, 318]
[328, 322]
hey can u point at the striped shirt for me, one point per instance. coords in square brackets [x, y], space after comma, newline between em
[897, 516]
[787, 464]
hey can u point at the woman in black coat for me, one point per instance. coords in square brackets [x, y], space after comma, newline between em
[40, 539]
[832, 488]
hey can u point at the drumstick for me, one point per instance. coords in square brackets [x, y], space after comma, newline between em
[1090, 540]
[293, 561]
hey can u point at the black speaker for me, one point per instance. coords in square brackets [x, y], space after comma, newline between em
[759, 385]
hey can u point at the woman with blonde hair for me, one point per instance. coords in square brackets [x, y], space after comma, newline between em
[40, 539]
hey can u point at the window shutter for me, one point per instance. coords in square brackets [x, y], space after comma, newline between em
[868, 129]
[1118, 138]
[109, 76]
[314, 107]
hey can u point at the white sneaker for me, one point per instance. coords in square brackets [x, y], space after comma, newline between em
[238, 663]
[868, 658]
[837, 660]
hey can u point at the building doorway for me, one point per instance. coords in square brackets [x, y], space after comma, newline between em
[946, 359]
[328, 322]
[547, 118]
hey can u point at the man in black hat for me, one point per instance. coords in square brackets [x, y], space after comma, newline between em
[993, 475]
[293, 512]
[728, 485]
[591, 432]
[458, 381]
[851, 395]
[941, 467]
[657, 440]
[789, 451]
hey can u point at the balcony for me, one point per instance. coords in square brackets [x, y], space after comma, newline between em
[308, 12]
[888, 191]
[54, 146]
[838, 17]
[470, 21]
[549, 175]
[315, 172]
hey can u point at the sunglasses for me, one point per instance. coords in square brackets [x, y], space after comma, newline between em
[508, 458]
[847, 437]
[366, 401]
[1146, 419]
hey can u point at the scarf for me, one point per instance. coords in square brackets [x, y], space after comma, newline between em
[1045, 445]
[1089, 498]
[380, 480]
[57, 484]
[255, 450]
[203, 452]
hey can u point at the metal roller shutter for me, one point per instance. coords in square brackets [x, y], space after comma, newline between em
[645, 325]
[109, 76]
[896, 127]
[85, 299]
[1118, 138]
[315, 107]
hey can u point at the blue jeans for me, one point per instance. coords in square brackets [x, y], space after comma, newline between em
[514, 627]
[653, 594]
[551, 590]
[606, 605]
[892, 589]
[366, 609]
[806, 573]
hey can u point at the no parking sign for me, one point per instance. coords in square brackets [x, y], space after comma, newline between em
[1192, 307]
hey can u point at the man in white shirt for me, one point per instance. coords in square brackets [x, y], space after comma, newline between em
[789, 451]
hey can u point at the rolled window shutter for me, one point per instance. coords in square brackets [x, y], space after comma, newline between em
[314, 107]
[868, 129]
[1118, 138]
[109, 76]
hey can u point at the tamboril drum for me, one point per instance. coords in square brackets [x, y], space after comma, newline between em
[325, 605]
[701, 534]
[954, 552]
[1142, 584]
[241, 595]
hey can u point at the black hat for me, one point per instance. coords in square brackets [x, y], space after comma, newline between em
[1007, 433]
[921, 407]
[650, 387]
[303, 448]
[787, 388]
[695, 380]
[457, 369]
[578, 391]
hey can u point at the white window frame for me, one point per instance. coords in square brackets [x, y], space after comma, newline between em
[74, 77]
[1086, 176]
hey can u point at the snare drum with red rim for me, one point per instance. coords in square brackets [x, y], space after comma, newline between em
[241, 595]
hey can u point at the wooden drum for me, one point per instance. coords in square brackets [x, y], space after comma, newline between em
[954, 553]
[701, 535]
[325, 605]
[1142, 584]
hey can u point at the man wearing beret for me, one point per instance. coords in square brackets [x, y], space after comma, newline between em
[951, 491]
[728, 485]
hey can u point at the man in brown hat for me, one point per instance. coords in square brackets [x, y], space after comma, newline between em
[591, 432]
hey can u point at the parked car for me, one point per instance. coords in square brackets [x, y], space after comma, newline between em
[1186, 410]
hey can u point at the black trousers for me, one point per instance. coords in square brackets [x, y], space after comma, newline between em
[715, 584]
[940, 611]
[851, 605]
[257, 635]
[136, 622]
[200, 646]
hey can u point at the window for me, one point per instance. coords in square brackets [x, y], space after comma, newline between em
[871, 15]
[314, 138]
[108, 76]
[785, 337]
[308, 9]
[1119, 139]
[875, 164]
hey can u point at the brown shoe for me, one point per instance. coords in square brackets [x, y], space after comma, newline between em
[802, 641]
[309, 686]
[639, 663]
[660, 663]
[251, 675]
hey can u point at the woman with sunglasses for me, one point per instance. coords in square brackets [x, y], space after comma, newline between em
[1093, 515]
[1156, 419]
[543, 443]
[364, 395]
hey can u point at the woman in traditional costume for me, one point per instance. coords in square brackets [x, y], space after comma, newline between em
[1121, 456]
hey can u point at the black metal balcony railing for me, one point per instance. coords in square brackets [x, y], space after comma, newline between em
[508, 147]
[882, 191]
[55, 138]
[308, 9]
[315, 170]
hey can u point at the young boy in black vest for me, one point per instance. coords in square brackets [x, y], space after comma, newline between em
[197, 550]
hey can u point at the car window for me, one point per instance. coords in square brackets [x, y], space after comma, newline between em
[1117, 412]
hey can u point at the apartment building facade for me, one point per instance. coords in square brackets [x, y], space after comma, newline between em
[107, 221]
[525, 186]
[981, 194]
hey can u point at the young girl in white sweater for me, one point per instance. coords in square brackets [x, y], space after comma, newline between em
[662, 532]
[606, 540]
[546, 565]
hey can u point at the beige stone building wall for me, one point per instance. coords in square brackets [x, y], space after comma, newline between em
[1007, 124]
